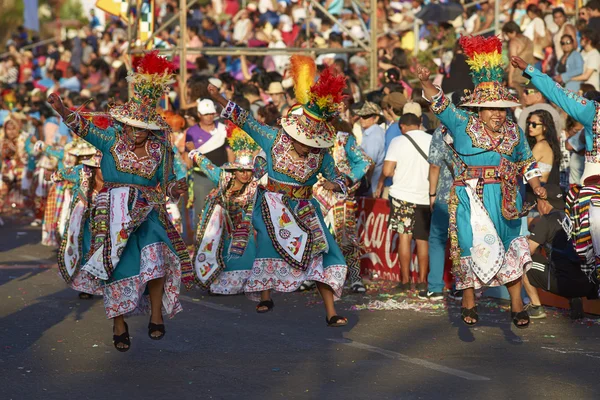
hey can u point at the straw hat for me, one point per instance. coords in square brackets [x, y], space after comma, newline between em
[150, 82]
[484, 56]
[308, 121]
[244, 148]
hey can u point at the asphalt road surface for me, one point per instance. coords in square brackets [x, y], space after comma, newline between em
[55, 346]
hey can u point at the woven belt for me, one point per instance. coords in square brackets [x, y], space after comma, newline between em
[293, 191]
[486, 174]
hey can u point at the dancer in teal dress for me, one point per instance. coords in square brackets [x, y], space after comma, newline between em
[86, 182]
[583, 202]
[293, 243]
[339, 211]
[485, 205]
[134, 246]
[225, 248]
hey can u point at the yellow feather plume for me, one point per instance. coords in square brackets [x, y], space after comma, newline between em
[303, 70]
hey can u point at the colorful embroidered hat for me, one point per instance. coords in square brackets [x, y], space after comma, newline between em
[151, 79]
[244, 148]
[307, 121]
[93, 161]
[484, 56]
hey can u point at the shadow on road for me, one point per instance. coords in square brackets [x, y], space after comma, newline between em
[27, 325]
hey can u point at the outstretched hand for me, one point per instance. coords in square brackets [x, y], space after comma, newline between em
[180, 187]
[423, 73]
[213, 90]
[518, 62]
[56, 103]
[334, 187]
[189, 146]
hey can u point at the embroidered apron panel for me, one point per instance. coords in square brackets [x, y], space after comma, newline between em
[488, 250]
[292, 241]
[208, 262]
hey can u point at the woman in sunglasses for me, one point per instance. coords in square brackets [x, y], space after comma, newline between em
[569, 65]
[543, 140]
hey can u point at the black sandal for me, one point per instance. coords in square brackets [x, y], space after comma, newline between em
[469, 313]
[122, 339]
[85, 296]
[336, 321]
[265, 303]
[152, 327]
[521, 315]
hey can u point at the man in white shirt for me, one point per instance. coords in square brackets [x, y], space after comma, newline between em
[591, 58]
[410, 215]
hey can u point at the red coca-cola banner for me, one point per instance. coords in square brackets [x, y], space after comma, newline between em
[380, 244]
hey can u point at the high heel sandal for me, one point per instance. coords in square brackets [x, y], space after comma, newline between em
[122, 339]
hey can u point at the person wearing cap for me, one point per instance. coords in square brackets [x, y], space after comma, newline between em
[210, 138]
[224, 249]
[294, 244]
[485, 206]
[582, 199]
[533, 100]
[393, 105]
[277, 94]
[558, 269]
[373, 140]
[134, 246]
[410, 213]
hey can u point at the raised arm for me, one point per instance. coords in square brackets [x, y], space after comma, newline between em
[442, 107]
[80, 126]
[54, 151]
[70, 174]
[580, 109]
[358, 160]
[212, 171]
[263, 135]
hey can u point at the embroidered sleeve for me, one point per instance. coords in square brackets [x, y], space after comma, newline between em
[179, 166]
[264, 135]
[358, 159]
[332, 174]
[93, 134]
[70, 174]
[450, 116]
[55, 151]
[206, 166]
[581, 109]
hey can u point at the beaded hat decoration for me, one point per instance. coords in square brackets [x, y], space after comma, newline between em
[484, 56]
[244, 148]
[308, 121]
[151, 77]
